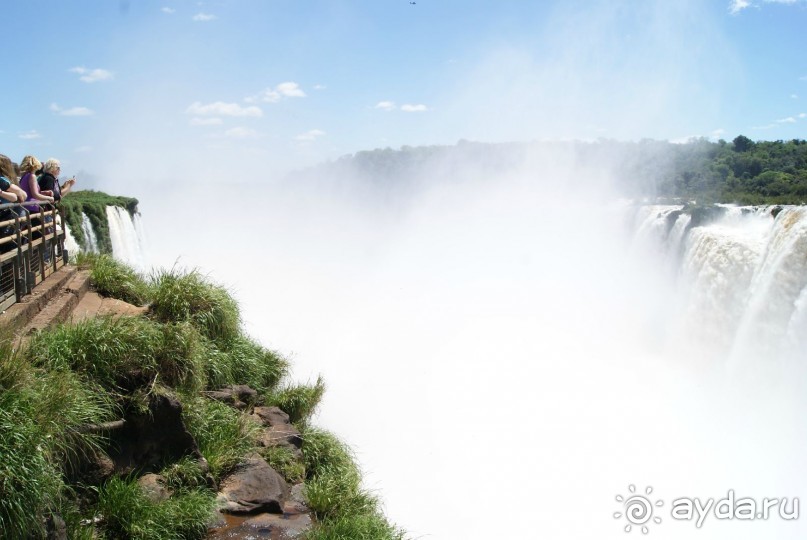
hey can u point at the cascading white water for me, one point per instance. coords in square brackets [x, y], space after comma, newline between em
[90, 240]
[126, 236]
[742, 281]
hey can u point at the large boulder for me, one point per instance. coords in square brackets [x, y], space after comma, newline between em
[253, 488]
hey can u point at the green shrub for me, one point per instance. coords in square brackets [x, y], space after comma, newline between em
[121, 352]
[29, 482]
[223, 434]
[189, 297]
[372, 526]
[333, 492]
[298, 401]
[243, 361]
[128, 513]
[115, 279]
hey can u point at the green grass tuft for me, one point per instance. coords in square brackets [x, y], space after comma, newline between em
[115, 279]
[189, 297]
[333, 492]
[283, 461]
[183, 474]
[298, 401]
[223, 434]
[370, 526]
[123, 352]
[243, 361]
[29, 482]
[128, 513]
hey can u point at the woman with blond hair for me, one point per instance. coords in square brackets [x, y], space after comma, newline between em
[28, 167]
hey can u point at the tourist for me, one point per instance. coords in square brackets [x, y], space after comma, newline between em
[49, 180]
[10, 192]
[29, 167]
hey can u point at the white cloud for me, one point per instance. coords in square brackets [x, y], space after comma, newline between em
[804, 78]
[788, 120]
[287, 89]
[214, 121]
[802, 115]
[219, 108]
[738, 5]
[794, 96]
[92, 75]
[203, 17]
[290, 89]
[33, 134]
[240, 133]
[414, 108]
[735, 6]
[768, 126]
[385, 105]
[168, 10]
[310, 135]
[320, 87]
[74, 111]
[717, 133]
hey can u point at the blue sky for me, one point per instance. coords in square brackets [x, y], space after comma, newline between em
[277, 84]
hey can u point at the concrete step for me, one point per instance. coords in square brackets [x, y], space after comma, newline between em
[21, 313]
[95, 305]
[59, 307]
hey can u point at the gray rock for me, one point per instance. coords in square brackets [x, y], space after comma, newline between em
[152, 487]
[270, 416]
[254, 487]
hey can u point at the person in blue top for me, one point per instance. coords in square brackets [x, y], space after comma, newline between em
[10, 192]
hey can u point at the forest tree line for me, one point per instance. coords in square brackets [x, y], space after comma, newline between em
[740, 171]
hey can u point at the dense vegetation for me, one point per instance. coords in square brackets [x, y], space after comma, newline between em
[94, 371]
[93, 204]
[740, 171]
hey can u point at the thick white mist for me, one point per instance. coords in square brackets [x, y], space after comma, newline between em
[498, 350]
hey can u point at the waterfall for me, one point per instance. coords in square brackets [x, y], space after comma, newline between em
[741, 282]
[90, 240]
[125, 233]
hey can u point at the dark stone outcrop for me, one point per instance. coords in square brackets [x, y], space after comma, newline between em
[279, 431]
[239, 396]
[292, 523]
[150, 438]
[253, 488]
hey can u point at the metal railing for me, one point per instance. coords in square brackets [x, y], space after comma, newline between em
[31, 248]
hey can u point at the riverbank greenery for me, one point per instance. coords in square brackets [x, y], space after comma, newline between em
[190, 340]
[93, 204]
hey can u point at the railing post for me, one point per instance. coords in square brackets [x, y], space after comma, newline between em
[19, 260]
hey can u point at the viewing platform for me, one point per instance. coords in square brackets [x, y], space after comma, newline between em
[31, 249]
